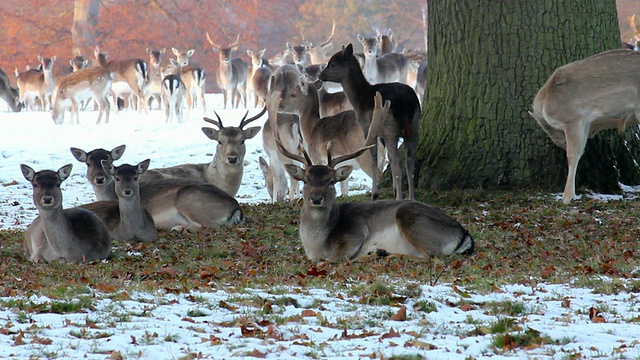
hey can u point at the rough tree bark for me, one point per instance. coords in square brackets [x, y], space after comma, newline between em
[487, 61]
[85, 20]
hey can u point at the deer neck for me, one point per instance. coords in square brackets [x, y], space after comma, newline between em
[57, 229]
[355, 85]
[309, 113]
[132, 214]
[105, 192]
[226, 72]
[370, 68]
[226, 177]
[315, 226]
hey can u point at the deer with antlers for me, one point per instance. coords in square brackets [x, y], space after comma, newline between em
[232, 74]
[226, 169]
[349, 231]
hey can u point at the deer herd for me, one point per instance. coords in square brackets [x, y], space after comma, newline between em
[325, 116]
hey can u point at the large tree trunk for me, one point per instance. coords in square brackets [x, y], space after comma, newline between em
[85, 20]
[487, 61]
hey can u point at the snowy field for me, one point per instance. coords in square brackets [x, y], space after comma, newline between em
[168, 326]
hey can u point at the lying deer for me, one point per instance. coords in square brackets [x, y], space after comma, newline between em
[126, 219]
[343, 68]
[286, 127]
[72, 235]
[341, 130]
[584, 97]
[84, 84]
[348, 231]
[226, 169]
[172, 203]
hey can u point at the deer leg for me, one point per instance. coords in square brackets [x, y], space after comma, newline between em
[396, 171]
[410, 153]
[576, 141]
[374, 163]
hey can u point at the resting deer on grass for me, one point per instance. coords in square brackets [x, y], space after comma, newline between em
[226, 169]
[584, 97]
[126, 219]
[348, 231]
[343, 68]
[72, 235]
[172, 203]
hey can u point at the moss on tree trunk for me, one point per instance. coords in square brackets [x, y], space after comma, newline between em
[487, 61]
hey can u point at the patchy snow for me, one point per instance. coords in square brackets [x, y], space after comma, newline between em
[445, 322]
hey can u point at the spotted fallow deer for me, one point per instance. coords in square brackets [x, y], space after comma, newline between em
[40, 84]
[72, 235]
[172, 203]
[84, 84]
[129, 77]
[232, 74]
[343, 67]
[227, 167]
[584, 97]
[126, 219]
[194, 79]
[349, 231]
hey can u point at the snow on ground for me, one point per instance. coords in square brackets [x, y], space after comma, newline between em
[162, 325]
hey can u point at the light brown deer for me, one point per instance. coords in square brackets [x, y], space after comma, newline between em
[349, 231]
[331, 102]
[72, 235]
[387, 68]
[153, 87]
[227, 167]
[84, 84]
[38, 83]
[172, 203]
[258, 78]
[194, 79]
[232, 74]
[584, 97]
[8, 93]
[173, 93]
[286, 127]
[126, 219]
[129, 77]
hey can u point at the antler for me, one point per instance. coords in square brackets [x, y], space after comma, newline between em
[244, 122]
[235, 43]
[214, 122]
[211, 42]
[333, 30]
[306, 160]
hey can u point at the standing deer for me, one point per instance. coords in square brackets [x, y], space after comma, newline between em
[226, 169]
[153, 88]
[173, 92]
[331, 102]
[129, 77]
[194, 79]
[390, 67]
[38, 83]
[343, 68]
[126, 219]
[348, 231]
[286, 127]
[172, 203]
[72, 235]
[584, 97]
[8, 93]
[79, 86]
[232, 74]
[258, 78]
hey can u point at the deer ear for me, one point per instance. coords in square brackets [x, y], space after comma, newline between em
[348, 51]
[360, 38]
[342, 173]
[295, 171]
[79, 154]
[65, 171]
[252, 131]
[117, 152]
[143, 166]
[211, 133]
[27, 172]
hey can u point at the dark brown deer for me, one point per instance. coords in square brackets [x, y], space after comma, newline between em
[343, 68]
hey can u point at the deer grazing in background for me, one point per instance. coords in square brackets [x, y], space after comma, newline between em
[38, 83]
[584, 97]
[343, 67]
[342, 130]
[8, 93]
[153, 88]
[286, 127]
[349, 231]
[331, 102]
[126, 219]
[258, 78]
[173, 92]
[172, 203]
[232, 74]
[72, 235]
[84, 84]
[129, 77]
[226, 169]
[194, 79]
[387, 68]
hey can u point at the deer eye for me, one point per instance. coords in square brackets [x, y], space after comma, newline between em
[117, 179]
[135, 178]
